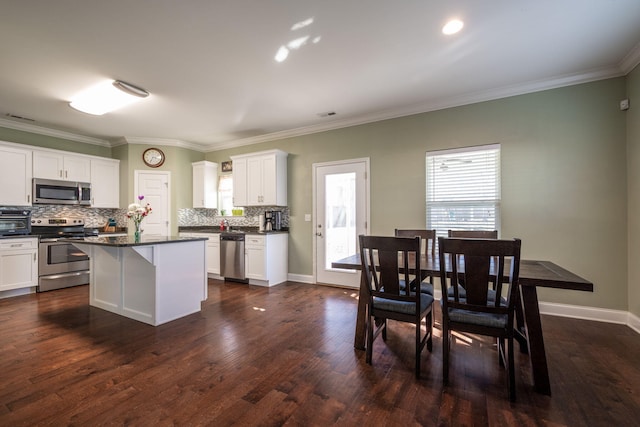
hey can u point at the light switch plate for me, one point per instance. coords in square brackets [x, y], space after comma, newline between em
[307, 217]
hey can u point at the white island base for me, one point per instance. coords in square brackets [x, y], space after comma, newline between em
[151, 283]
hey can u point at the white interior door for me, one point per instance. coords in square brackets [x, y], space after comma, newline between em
[341, 214]
[154, 186]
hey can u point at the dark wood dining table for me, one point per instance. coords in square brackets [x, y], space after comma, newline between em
[533, 274]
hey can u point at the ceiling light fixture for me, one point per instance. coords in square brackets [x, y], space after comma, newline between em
[452, 27]
[107, 96]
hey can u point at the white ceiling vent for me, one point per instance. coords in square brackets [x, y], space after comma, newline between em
[327, 114]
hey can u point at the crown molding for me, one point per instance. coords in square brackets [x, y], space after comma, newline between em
[439, 104]
[159, 141]
[41, 130]
[631, 60]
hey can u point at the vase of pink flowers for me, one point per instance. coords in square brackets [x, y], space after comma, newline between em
[137, 212]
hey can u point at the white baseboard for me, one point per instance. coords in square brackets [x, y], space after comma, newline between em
[302, 278]
[582, 312]
[634, 322]
[17, 292]
[591, 313]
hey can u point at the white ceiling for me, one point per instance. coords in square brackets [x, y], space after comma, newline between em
[209, 65]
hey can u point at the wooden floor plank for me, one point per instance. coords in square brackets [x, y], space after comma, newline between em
[284, 356]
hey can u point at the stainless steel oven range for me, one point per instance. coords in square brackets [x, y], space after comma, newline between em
[60, 264]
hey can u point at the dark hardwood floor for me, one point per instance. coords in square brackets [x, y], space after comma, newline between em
[284, 356]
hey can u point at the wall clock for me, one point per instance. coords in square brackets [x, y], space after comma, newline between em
[153, 157]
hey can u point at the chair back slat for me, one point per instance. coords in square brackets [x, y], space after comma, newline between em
[389, 274]
[477, 278]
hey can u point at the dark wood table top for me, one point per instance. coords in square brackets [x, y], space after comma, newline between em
[532, 272]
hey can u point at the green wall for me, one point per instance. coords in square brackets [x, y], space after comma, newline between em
[178, 164]
[633, 167]
[563, 177]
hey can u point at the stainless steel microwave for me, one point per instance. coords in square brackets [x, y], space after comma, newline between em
[55, 192]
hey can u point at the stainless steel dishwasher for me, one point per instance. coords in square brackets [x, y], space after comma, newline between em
[232, 257]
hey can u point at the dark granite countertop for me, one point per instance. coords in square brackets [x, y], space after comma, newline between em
[216, 230]
[117, 241]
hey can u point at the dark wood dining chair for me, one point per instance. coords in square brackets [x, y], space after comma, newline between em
[493, 234]
[480, 262]
[427, 248]
[385, 260]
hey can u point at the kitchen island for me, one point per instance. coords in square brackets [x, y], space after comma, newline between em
[154, 280]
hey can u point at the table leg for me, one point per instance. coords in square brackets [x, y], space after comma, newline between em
[361, 318]
[533, 325]
[520, 331]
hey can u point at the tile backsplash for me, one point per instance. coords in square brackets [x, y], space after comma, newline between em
[96, 217]
[93, 217]
[205, 217]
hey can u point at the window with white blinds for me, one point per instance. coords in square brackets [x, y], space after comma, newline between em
[463, 189]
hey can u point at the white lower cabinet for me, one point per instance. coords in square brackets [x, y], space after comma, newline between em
[213, 251]
[266, 258]
[213, 254]
[256, 257]
[18, 263]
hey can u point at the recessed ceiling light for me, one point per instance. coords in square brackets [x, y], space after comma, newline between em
[107, 96]
[297, 43]
[282, 54]
[452, 27]
[302, 24]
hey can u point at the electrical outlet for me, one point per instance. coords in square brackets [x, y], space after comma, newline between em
[624, 105]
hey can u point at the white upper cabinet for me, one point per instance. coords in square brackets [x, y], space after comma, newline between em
[205, 185]
[15, 176]
[19, 166]
[55, 165]
[105, 183]
[260, 179]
